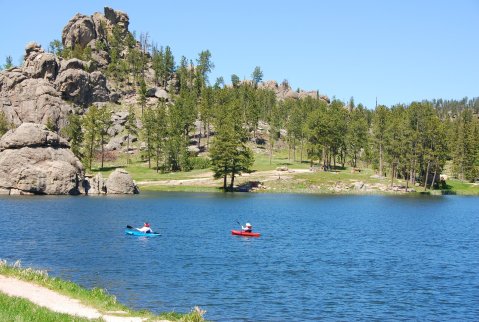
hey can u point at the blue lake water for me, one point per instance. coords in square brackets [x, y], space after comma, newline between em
[319, 257]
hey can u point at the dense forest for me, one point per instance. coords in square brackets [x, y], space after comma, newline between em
[412, 142]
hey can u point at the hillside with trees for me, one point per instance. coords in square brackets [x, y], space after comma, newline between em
[166, 115]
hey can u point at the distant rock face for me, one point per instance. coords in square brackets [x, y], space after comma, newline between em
[283, 91]
[34, 160]
[84, 30]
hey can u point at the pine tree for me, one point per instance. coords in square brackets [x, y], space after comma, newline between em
[131, 129]
[8, 62]
[357, 131]
[73, 131]
[379, 133]
[90, 125]
[4, 125]
[148, 132]
[160, 133]
[104, 124]
[158, 64]
[142, 91]
[235, 80]
[169, 67]
[229, 153]
[257, 75]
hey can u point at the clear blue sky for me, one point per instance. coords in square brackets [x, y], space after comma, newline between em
[397, 51]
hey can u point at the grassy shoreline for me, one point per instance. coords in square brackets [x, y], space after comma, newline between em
[97, 298]
[296, 178]
[165, 188]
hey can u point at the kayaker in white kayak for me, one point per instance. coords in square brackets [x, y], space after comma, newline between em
[145, 229]
[248, 228]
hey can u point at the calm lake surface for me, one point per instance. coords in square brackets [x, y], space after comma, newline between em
[319, 257]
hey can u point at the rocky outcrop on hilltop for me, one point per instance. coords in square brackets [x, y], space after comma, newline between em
[34, 160]
[47, 88]
[92, 31]
[283, 91]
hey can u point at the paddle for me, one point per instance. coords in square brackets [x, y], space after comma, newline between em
[129, 227]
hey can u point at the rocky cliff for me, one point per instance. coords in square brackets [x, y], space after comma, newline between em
[47, 88]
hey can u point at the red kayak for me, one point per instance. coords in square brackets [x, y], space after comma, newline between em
[244, 233]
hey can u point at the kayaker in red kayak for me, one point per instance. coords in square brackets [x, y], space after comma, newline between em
[248, 228]
[145, 229]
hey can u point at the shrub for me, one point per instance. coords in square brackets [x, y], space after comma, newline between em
[200, 163]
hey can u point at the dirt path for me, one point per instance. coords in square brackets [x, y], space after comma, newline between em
[56, 302]
[207, 179]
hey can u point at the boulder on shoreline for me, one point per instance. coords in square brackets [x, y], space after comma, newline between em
[34, 160]
[119, 182]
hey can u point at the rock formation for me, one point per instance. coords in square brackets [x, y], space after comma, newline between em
[47, 88]
[89, 31]
[283, 91]
[119, 182]
[34, 160]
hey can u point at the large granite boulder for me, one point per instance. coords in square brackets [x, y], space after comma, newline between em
[34, 160]
[80, 87]
[120, 182]
[158, 92]
[94, 185]
[39, 64]
[79, 31]
[117, 18]
[24, 99]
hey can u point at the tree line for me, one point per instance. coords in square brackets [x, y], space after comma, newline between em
[412, 142]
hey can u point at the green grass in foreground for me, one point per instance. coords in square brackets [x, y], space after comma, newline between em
[21, 310]
[96, 297]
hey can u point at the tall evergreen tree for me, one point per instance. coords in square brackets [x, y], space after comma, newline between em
[235, 80]
[91, 133]
[229, 153]
[104, 124]
[379, 125]
[131, 129]
[148, 133]
[73, 131]
[257, 75]
[357, 131]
